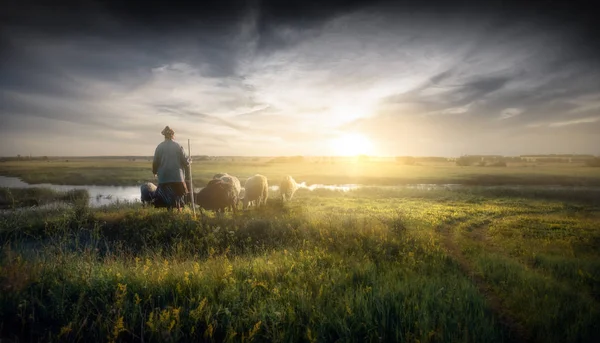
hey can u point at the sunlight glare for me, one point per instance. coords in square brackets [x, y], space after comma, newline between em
[351, 144]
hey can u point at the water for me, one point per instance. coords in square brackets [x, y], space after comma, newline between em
[350, 187]
[99, 195]
[343, 188]
[106, 195]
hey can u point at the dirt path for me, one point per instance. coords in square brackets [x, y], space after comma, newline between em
[514, 330]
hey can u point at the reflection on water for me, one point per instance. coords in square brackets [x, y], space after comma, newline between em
[106, 195]
[343, 188]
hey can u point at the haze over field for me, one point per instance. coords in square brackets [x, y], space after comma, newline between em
[267, 78]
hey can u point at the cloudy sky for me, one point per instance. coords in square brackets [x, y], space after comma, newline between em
[299, 78]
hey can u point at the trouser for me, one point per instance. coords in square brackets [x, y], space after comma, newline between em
[170, 194]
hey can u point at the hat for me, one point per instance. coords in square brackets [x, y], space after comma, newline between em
[167, 132]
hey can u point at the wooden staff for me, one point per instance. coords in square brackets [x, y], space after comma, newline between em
[191, 183]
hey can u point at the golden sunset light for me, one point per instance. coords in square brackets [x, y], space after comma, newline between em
[352, 144]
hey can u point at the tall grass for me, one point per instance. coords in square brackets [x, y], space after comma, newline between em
[368, 265]
[11, 198]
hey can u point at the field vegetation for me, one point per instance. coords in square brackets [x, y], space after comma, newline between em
[369, 265]
[129, 172]
[11, 198]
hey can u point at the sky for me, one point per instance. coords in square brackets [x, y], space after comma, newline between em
[313, 78]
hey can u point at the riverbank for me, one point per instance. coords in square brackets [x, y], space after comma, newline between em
[133, 173]
[12, 198]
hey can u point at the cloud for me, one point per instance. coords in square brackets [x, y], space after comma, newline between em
[510, 112]
[269, 78]
[575, 122]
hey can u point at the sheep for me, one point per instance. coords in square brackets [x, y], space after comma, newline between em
[233, 180]
[148, 191]
[256, 189]
[287, 188]
[217, 196]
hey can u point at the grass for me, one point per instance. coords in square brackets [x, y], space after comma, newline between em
[125, 172]
[11, 198]
[371, 265]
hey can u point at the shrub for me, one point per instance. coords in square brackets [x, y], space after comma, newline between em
[467, 160]
[497, 164]
[593, 162]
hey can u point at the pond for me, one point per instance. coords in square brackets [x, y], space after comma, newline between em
[106, 195]
[99, 195]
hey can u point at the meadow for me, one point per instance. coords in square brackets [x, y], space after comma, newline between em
[128, 172]
[374, 264]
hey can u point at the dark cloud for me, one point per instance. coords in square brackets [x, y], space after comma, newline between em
[454, 71]
[199, 116]
[476, 89]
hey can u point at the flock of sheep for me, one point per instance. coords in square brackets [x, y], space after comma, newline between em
[225, 191]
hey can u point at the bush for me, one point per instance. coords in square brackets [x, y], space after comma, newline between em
[464, 161]
[497, 164]
[593, 162]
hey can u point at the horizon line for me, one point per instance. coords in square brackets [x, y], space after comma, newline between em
[303, 156]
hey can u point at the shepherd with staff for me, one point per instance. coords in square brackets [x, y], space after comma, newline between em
[170, 166]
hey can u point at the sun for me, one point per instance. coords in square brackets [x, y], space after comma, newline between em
[351, 144]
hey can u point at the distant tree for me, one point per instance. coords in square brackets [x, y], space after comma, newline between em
[466, 160]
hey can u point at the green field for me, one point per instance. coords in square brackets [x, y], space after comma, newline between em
[370, 265]
[90, 171]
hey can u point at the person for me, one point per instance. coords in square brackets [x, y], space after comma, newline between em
[170, 167]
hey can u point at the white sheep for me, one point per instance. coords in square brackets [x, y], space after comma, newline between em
[256, 190]
[287, 188]
[219, 175]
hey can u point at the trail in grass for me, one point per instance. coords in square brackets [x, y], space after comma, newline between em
[515, 331]
[479, 235]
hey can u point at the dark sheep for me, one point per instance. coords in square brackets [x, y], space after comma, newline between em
[219, 175]
[217, 196]
[233, 180]
[148, 191]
